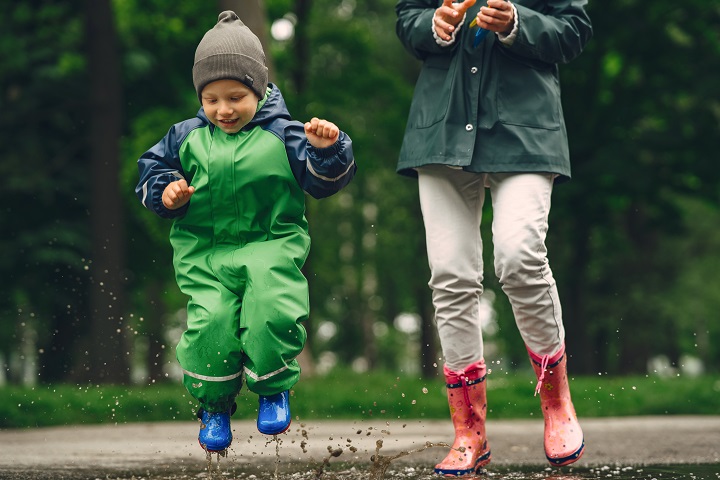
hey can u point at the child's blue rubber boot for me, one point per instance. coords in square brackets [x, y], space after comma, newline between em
[215, 434]
[274, 413]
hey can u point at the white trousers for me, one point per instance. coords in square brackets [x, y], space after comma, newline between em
[452, 202]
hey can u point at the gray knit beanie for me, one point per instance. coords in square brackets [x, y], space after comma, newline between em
[230, 51]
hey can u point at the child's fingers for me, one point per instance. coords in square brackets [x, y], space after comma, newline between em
[311, 126]
[181, 187]
[321, 128]
[183, 193]
[327, 129]
[331, 130]
[177, 194]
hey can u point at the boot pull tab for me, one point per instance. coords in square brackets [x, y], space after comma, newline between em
[543, 366]
[466, 395]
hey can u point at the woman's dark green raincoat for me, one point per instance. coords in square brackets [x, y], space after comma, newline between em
[495, 108]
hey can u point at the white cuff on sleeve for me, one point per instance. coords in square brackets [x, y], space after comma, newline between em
[509, 39]
[446, 43]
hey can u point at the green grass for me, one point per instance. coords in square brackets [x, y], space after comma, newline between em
[346, 395]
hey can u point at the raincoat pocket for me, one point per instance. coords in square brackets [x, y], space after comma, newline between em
[528, 93]
[432, 92]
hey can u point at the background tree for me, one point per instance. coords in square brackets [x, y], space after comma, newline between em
[340, 57]
[107, 359]
[159, 38]
[633, 240]
[45, 194]
[643, 124]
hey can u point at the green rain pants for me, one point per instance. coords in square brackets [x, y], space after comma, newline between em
[238, 254]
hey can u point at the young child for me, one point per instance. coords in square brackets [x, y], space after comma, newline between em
[234, 180]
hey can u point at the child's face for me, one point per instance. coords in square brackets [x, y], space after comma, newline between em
[229, 104]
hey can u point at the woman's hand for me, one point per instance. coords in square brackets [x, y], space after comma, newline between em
[448, 16]
[498, 16]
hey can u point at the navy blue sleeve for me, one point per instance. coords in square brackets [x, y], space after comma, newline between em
[160, 166]
[321, 172]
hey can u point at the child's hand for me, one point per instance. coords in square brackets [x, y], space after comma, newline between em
[177, 194]
[321, 133]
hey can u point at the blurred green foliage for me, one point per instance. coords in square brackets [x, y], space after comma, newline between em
[634, 239]
[347, 395]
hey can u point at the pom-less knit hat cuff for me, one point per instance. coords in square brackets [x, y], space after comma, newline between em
[233, 66]
[230, 51]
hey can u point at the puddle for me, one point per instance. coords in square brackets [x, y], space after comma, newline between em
[333, 469]
[325, 456]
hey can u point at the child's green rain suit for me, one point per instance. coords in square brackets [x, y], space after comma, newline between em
[240, 244]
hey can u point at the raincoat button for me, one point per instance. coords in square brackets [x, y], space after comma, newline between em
[473, 70]
[468, 127]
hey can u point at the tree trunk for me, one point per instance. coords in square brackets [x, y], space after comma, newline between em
[107, 359]
[301, 46]
[154, 330]
[302, 9]
[579, 343]
[429, 364]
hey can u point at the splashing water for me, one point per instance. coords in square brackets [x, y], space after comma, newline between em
[277, 455]
[209, 460]
[365, 453]
[380, 467]
[326, 461]
[381, 463]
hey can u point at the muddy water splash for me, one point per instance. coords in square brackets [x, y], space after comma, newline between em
[277, 455]
[380, 463]
[333, 452]
[209, 459]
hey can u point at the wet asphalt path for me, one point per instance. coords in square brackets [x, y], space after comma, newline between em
[152, 447]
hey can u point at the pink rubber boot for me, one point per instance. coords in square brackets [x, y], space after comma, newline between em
[467, 398]
[564, 442]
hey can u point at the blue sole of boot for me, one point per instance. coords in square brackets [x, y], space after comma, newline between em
[483, 460]
[214, 448]
[271, 432]
[568, 459]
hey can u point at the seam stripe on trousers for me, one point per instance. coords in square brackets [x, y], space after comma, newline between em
[212, 379]
[264, 377]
